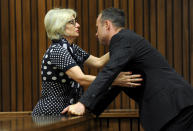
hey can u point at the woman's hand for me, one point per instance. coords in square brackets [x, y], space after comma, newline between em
[126, 79]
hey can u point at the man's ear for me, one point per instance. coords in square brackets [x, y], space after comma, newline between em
[107, 24]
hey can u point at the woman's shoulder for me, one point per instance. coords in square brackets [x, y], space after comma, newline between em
[58, 48]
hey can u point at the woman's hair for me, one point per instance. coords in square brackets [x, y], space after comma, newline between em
[56, 20]
[116, 16]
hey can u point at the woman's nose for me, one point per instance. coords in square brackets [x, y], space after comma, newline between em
[77, 24]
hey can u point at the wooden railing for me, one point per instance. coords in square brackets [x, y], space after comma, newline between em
[110, 120]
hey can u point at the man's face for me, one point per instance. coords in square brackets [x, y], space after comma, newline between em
[101, 34]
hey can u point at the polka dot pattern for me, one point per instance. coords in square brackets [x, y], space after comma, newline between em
[59, 90]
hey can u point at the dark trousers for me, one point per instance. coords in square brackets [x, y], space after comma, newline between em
[182, 122]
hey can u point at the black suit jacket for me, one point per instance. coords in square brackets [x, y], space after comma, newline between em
[164, 93]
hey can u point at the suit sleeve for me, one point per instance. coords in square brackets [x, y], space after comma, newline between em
[119, 58]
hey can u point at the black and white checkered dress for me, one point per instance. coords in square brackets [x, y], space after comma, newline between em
[58, 90]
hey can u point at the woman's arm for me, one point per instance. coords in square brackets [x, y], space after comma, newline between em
[124, 79]
[76, 74]
[97, 62]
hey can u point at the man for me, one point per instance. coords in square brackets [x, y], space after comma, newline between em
[165, 98]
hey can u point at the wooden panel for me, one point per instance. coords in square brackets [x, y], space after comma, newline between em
[49, 5]
[79, 16]
[146, 20]
[116, 3]
[64, 3]
[117, 102]
[131, 15]
[19, 51]
[135, 125]
[124, 7]
[71, 4]
[153, 29]
[125, 124]
[113, 124]
[27, 54]
[41, 32]
[56, 4]
[108, 3]
[120, 120]
[13, 55]
[35, 54]
[84, 28]
[186, 46]
[161, 39]
[191, 39]
[100, 8]
[177, 30]
[5, 46]
[125, 101]
[169, 32]
[138, 8]
[92, 31]
[167, 24]
[1, 101]
[104, 124]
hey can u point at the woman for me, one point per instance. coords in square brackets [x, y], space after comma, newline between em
[61, 70]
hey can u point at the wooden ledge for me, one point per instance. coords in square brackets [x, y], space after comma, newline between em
[15, 114]
[63, 123]
[12, 121]
[23, 121]
[133, 113]
[120, 113]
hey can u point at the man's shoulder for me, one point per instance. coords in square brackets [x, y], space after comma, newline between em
[129, 36]
[127, 32]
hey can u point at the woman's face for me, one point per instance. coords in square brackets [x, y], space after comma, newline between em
[72, 28]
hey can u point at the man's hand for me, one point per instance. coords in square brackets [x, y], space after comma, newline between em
[126, 79]
[75, 109]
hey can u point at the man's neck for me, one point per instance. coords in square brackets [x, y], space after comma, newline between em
[119, 29]
[114, 32]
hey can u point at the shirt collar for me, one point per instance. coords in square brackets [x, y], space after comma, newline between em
[63, 42]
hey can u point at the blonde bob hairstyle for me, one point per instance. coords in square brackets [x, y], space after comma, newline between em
[56, 20]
